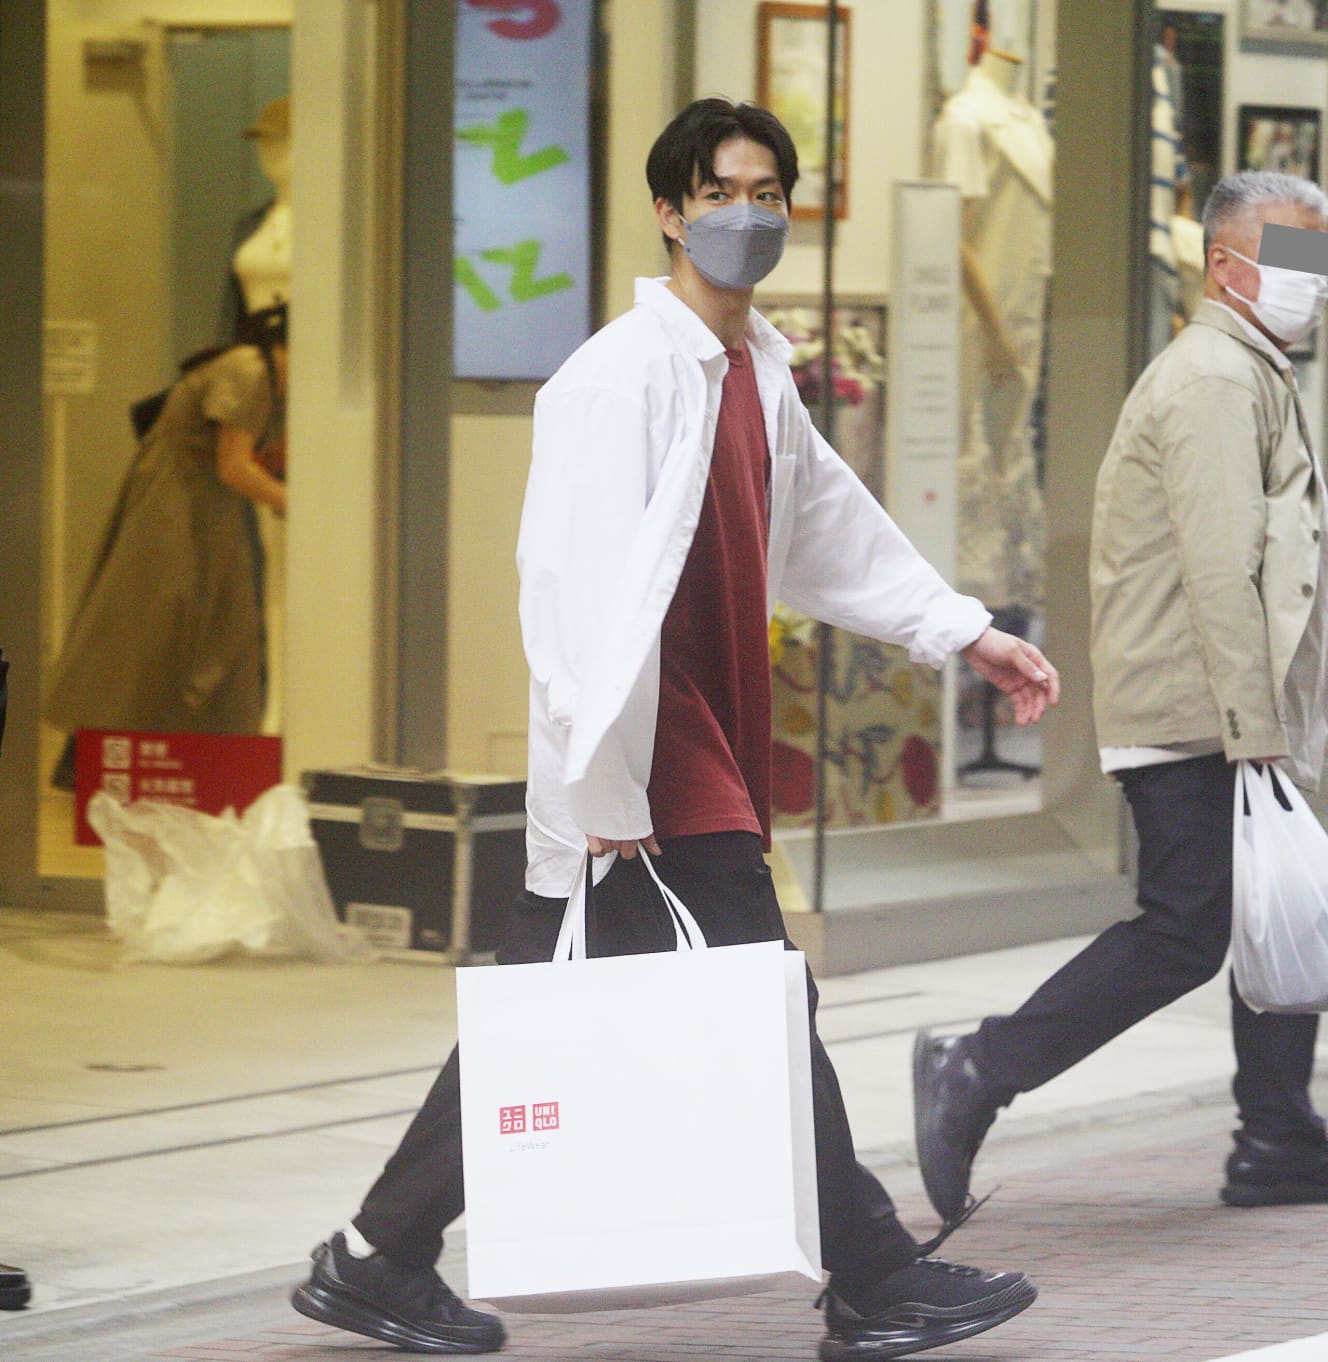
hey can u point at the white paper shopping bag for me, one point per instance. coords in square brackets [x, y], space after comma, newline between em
[637, 1129]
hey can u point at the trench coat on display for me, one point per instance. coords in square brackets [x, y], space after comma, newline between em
[1205, 571]
[623, 438]
[168, 636]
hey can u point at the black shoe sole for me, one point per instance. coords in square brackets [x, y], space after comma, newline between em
[884, 1344]
[922, 1075]
[15, 1297]
[358, 1317]
[1274, 1194]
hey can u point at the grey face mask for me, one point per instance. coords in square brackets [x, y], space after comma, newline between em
[736, 246]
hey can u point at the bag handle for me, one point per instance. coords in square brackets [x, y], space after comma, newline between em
[1249, 775]
[572, 934]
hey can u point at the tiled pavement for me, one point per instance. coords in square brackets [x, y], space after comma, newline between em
[161, 1181]
[1118, 1222]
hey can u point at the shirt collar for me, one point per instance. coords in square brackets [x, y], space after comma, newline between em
[694, 334]
[1257, 338]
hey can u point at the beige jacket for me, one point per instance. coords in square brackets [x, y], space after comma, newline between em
[1205, 552]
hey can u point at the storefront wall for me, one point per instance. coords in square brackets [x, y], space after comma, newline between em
[351, 613]
[405, 496]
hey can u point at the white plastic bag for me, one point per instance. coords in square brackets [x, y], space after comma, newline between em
[1279, 920]
[183, 887]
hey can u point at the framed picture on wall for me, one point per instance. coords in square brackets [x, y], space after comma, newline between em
[793, 50]
[1275, 137]
[1286, 21]
[1193, 43]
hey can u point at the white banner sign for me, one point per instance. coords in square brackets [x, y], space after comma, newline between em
[922, 437]
[70, 357]
[521, 186]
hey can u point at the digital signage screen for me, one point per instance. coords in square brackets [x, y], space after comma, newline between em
[521, 186]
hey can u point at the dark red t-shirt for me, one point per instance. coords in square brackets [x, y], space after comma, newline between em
[711, 769]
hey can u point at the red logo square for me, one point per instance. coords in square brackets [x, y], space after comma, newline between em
[545, 1115]
[512, 1120]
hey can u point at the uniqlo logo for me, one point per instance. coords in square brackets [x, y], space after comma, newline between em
[544, 1115]
[117, 754]
[512, 1120]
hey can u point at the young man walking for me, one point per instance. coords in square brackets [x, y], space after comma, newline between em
[1210, 644]
[677, 489]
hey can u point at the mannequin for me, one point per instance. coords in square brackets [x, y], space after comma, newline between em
[992, 143]
[262, 261]
[262, 266]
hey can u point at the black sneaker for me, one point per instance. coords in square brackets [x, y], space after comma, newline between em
[15, 1289]
[411, 1307]
[925, 1305]
[1267, 1173]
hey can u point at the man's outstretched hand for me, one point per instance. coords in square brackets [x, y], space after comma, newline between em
[1017, 668]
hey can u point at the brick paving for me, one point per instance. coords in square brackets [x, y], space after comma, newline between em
[1133, 1253]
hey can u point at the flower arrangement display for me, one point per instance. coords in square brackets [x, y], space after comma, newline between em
[856, 365]
[883, 722]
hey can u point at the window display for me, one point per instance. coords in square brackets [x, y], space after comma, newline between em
[992, 143]
[883, 714]
[991, 140]
[1286, 21]
[169, 274]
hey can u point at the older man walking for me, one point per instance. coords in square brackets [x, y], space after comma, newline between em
[1208, 597]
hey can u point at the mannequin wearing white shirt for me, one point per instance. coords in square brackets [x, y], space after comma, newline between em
[262, 264]
[992, 143]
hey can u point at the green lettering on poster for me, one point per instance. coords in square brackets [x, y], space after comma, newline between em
[481, 294]
[523, 258]
[505, 136]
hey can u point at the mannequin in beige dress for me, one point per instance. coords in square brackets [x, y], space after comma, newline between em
[262, 264]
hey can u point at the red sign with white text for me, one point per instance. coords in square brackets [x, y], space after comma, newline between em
[209, 772]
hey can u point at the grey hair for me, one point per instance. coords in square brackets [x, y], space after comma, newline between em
[1241, 193]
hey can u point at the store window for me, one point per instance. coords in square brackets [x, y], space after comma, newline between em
[991, 135]
[970, 102]
[1235, 87]
[167, 259]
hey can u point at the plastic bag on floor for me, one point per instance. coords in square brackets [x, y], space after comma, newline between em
[183, 887]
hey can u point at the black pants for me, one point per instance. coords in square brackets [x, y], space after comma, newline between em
[1182, 813]
[726, 884]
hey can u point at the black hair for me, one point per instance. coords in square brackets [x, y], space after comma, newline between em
[683, 156]
[264, 328]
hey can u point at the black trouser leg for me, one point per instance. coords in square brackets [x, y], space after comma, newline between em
[724, 881]
[421, 1189]
[419, 1192]
[1274, 1065]
[1182, 813]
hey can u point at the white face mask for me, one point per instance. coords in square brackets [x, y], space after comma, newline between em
[1290, 302]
